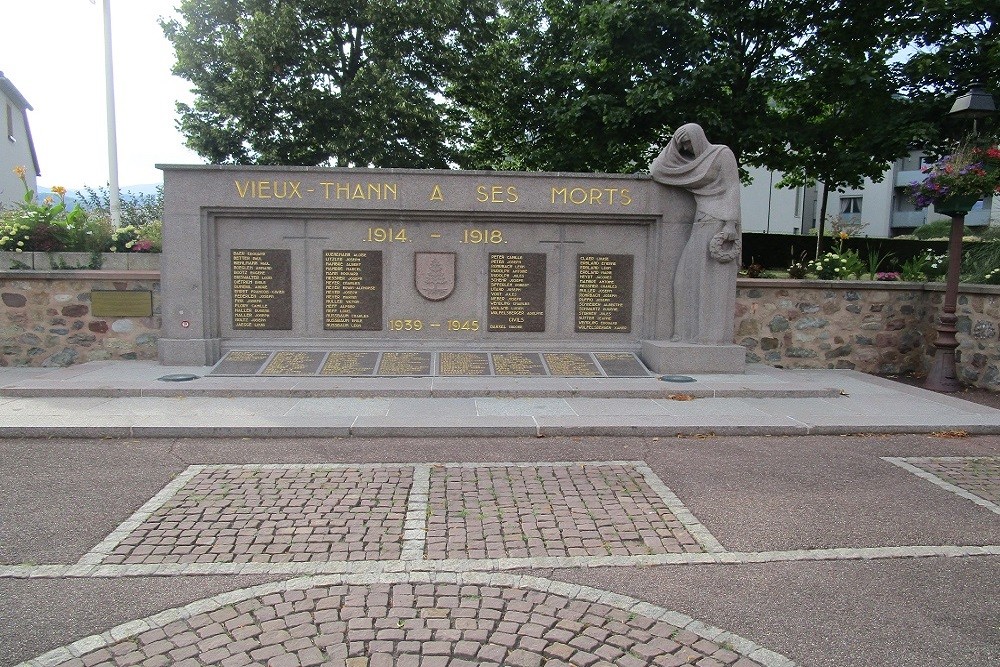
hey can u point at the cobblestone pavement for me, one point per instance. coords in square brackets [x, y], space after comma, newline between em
[417, 564]
[521, 511]
[406, 624]
[272, 515]
[974, 477]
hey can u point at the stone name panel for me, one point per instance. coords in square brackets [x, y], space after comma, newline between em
[426, 279]
[261, 282]
[295, 363]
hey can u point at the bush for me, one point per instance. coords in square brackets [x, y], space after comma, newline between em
[40, 226]
[939, 229]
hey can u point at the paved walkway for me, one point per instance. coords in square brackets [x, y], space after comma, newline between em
[190, 540]
[114, 399]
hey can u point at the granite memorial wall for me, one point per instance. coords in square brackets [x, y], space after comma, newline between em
[405, 261]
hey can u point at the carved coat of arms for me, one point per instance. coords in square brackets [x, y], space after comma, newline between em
[434, 274]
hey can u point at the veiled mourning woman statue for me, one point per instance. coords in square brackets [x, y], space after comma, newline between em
[705, 282]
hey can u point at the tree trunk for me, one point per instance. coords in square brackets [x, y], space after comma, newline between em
[822, 220]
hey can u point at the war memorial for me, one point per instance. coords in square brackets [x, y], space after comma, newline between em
[317, 271]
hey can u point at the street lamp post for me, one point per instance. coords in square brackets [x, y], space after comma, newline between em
[943, 376]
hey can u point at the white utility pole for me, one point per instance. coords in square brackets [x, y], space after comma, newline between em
[109, 84]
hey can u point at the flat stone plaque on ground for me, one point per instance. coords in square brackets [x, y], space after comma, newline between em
[464, 363]
[349, 364]
[262, 289]
[516, 292]
[571, 364]
[352, 290]
[242, 362]
[294, 363]
[405, 363]
[604, 293]
[517, 363]
[621, 364]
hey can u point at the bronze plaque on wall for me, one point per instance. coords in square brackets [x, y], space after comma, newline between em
[121, 303]
[352, 290]
[604, 293]
[516, 292]
[262, 289]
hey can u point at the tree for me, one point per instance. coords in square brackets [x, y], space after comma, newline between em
[342, 82]
[842, 119]
[599, 85]
[956, 43]
[578, 86]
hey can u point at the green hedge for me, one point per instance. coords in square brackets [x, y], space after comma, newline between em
[777, 251]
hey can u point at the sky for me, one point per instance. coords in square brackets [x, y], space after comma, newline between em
[53, 53]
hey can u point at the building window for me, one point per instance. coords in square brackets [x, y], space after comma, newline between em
[10, 122]
[850, 205]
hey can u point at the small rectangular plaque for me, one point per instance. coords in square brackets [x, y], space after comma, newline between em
[352, 290]
[294, 363]
[464, 363]
[604, 293]
[405, 364]
[241, 362]
[621, 364]
[262, 289]
[516, 292]
[571, 364]
[517, 363]
[121, 303]
[349, 364]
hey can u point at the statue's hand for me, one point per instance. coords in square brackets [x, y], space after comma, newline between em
[730, 231]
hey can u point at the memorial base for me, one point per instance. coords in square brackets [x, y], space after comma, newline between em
[668, 357]
[189, 351]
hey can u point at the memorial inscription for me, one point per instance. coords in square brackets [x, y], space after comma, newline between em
[516, 292]
[352, 290]
[288, 362]
[262, 289]
[463, 363]
[349, 364]
[604, 293]
[405, 363]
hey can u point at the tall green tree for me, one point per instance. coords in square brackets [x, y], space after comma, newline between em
[341, 82]
[842, 119]
[955, 43]
[598, 85]
[578, 85]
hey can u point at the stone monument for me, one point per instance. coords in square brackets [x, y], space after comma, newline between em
[322, 271]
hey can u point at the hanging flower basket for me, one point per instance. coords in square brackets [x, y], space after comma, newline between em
[956, 182]
[956, 204]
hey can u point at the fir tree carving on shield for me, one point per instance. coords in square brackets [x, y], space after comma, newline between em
[434, 274]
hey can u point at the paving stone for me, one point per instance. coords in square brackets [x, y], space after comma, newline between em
[273, 514]
[543, 510]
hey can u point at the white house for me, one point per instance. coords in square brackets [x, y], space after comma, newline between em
[884, 206]
[16, 146]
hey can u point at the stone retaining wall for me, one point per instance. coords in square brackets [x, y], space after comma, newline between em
[46, 319]
[875, 327]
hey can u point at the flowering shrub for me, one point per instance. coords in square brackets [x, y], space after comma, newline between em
[969, 171]
[45, 225]
[887, 275]
[797, 270]
[840, 264]
[992, 278]
[130, 238]
[924, 267]
[48, 226]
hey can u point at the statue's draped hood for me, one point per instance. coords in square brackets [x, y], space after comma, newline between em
[708, 174]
